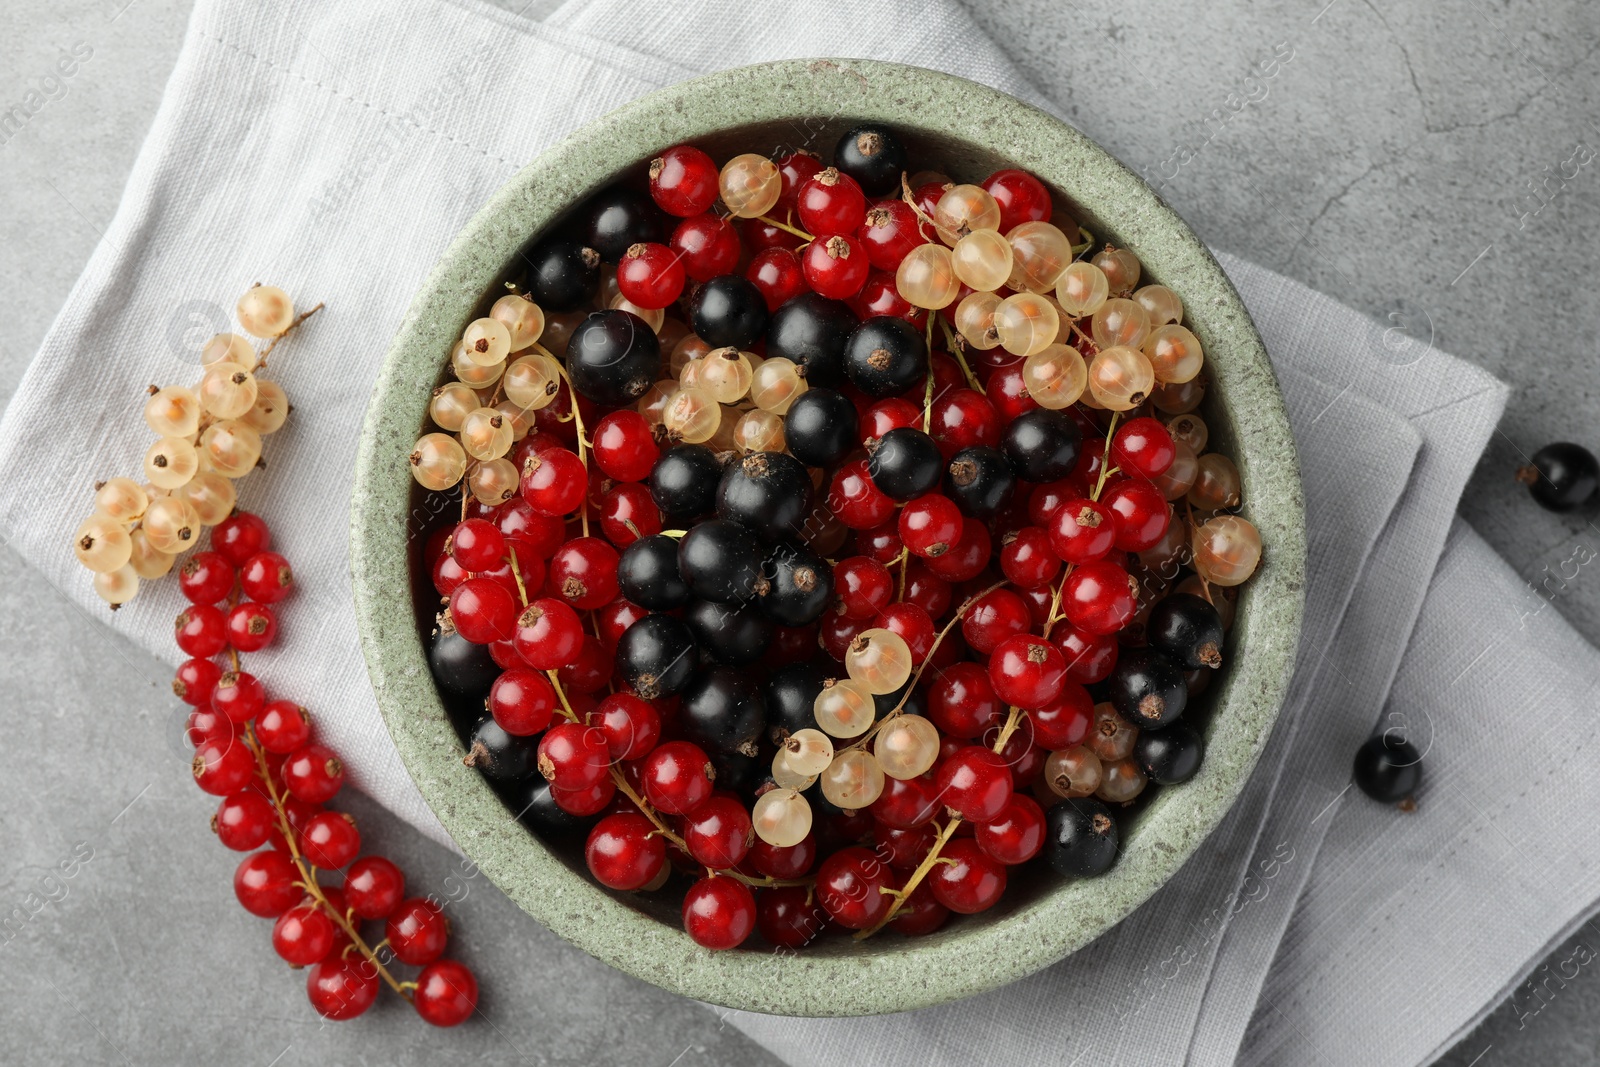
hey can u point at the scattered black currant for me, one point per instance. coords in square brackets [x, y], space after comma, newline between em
[790, 696]
[729, 311]
[768, 492]
[621, 217]
[562, 274]
[979, 480]
[537, 809]
[647, 573]
[721, 561]
[821, 427]
[722, 711]
[1170, 755]
[656, 656]
[1147, 688]
[811, 330]
[801, 587]
[740, 773]
[1561, 476]
[460, 668]
[874, 157]
[613, 358]
[1187, 628]
[1388, 768]
[904, 463]
[1080, 838]
[684, 481]
[885, 356]
[734, 634]
[500, 757]
[1042, 444]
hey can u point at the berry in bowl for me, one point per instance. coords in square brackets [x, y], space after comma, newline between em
[835, 577]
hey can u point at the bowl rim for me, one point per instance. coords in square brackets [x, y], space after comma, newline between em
[889, 975]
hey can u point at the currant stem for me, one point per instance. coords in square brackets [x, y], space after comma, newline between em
[1105, 461]
[955, 347]
[1013, 720]
[261, 361]
[785, 227]
[903, 894]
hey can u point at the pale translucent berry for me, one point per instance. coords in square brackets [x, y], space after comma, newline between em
[522, 317]
[655, 318]
[1191, 429]
[1055, 376]
[692, 415]
[726, 374]
[907, 746]
[1174, 353]
[808, 751]
[1216, 484]
[775, 384]
[853, 780]
[1162, 304]
[520, 418]
[452, 402]
[171, 462]
[759, 431]
[473, 374]
[1040, 252]
[171, 525]
[786, 776]
[1082, 289]
[653, 404]
[963, 209]
[227, 391]
[926, 278]
[982, 259]
[122, 499]
[781, 817]
[1120, 378]
[878, 659]
[1120, 322]
[173, 412]
[212, 496]
[265, 311]
[438, 461]
[118, 586]
[101, 543]
[486, 434]
[271, 409]
[229, 348]
[1026, 323]
[750, 185]
[230, 448]
[493, 482]
[1226, 550]
[975, 320]
[844, 708]
[689, 348]
[1121, 781]
[1074, 772]
[1121, 268]
[1179, 398]
[486, 342]
[146, 562]
[1176, 481]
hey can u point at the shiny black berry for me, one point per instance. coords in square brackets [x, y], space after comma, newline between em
[800, 586]
[874, 157]
[621, 217]
[684, 481]
[904, 463]
[821, 427]
[537, 809]
[1042, 444]
[768, 492]
[1562, 476]
[811, 330]
[721, 561]
[460, 668]
[648, 574]
[722, 711]
[1147, 688]
[735, 634]
[1170, 755]
[979, 480]
[656, 656]
[613, 358]
[1187, 628]
[562, 274]
[498, 756]
[885, 356]
[790, 696]
[1388, 768]
[740, 773]
[729, 311]
[1080, 838]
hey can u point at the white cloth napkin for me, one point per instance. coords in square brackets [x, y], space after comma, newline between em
[334, 148]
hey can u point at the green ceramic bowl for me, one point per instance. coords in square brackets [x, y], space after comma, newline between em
[970, 131]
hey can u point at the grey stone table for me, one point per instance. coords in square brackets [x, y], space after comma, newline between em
[1432, 164]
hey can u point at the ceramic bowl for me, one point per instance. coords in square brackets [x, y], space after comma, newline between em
[969, 131]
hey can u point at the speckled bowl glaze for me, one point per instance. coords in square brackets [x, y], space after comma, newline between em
[969, 131]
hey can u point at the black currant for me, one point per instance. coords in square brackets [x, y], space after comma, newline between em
[460, 668]
[613, 358]
[537, 809]
[620, 217]
[722, 711]
[740, 773]
[1170, 755]
[684, 481]
[1388, 768]
[1080, 838]
[734, 634]
[821, 427]
[1147, 688]
[790, 696]
[721, 561]
[768, 492]
[800, 587]
[656, 656]
[648, 574]
[1561, 476]
[500, 757]
[904, 463]
[979, 480]
[811, 330]
[562, 274]
[1187, 628]
[885, 356]
[728, 312]
[874, 157]
[1042, 444]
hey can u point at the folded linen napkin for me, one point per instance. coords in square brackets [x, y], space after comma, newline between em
[288, 139]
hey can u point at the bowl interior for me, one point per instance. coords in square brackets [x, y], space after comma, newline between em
[966, 131]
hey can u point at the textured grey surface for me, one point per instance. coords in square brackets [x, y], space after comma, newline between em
[1427, 163]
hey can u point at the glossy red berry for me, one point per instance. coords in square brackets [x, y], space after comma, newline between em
[971, 882]
[835, 267]
[777, 273]
[787, 916]
[1065, 721]
[583, 572]
[251, 626]
[624, 446]
[1140, 514]
[240, 536]
[927, 590]
[784, 861]
[303, 935]
[719, 833]
[761, 235]
[1082, 531]
[862, 587]
[266, 578]
[1100, 598]
[912, 624]
[1027, 558]
[483, 610]
[417, 931]
[201, 630]
[330, 840]
[615, 618]
[1047, 499]
[719, 912]
[590, 800]
[891, 413]
[836, 630]
[195, 680]
[283, 726]
[920, 914]
[244, 820]
[1028, 671]
[850, 887]
[267, 884]
[625, 851]
[906, 803]
[683, 181]
[518, 521]
[1008, 392]
[206, 577]
[975, 783]
[1143, 446]
[830, 202]
[1017, 834]
[374, 887]
[903, 850]
[549, 634]
[793, 170]
[205, 723]
[446, 993]
[342, 987]
[1022, 198]
[239, 695]
[650, 275]
[522, 701]
[553, 481]
[677, 777]
[881, 543]
[313, 774]
[1089, 657]
[888, 232]
[573, 756]
[967, 556]
[631, 725]
[447, 574]
[477, 545]
[995, 616]
[627, 513]
[708, 246]
[930, 524]
[855, 500]
[878, 296]
[963, 418]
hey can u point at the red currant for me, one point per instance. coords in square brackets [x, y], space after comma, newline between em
[1090, 657]
[967, 556]
[631, 725]
[244, 820]
[522, 701]
[1028, 671]
[239, 695]
[1022, 198]
[1143, 446]
[878, 296]
[194, 681]
[201, 631]
[205, 723]
[1017, 835]
[1047, 499]
[890, 414]
[926, 590]
[374, 887]
[240, 536]
[1028, 560]
[303, 935]
[930, 524]
[448, 574]
[784, 861]
[850, 887]
[1082, 531]
[881, 543]
[446, 993]
[417, 931]
[627, 513]
[719, 912]
[906, 803]
[920, 914]
[787, 916]
[835, 632]
[963, 418]
[266, 578]
[1140, 514]
[677, 777]
[1100, 597]
[313, 774]
[971, 882]
[763, 235]
[901, 849]
[719, 833]
[888, 232]
[650, 275]
[553, 481]
[776, 272]
[975, 783]
[517, 520]
[583, 572]
[829, 203]
[1065, 721]
[251, 626]
[835, 267]
[1008, 393]
[625, 852]
[590, 800]
[707, 246]
[862, 587]
[624, 446]
[573, 756]
[912, 624]
[206, 577]
[615, 618]
[477, 545]
[995, 616]
[549, 634]
[342, 987]
[683, 181]
[793, 171]
[330, 840]
[267, 884]
[855, 500]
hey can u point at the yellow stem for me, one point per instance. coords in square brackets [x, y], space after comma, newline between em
[261, 361]
[785, 227]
